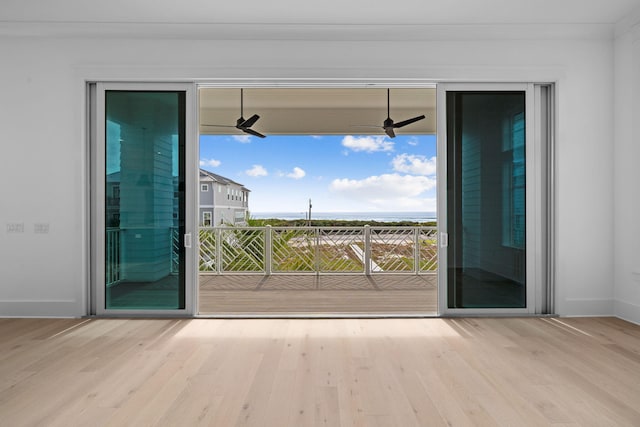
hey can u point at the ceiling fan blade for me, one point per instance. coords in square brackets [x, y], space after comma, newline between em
[388, 126]
[250, 121]
[241, 123]
[252, 132]
[218, 126]
[389, 132]
[408, 121]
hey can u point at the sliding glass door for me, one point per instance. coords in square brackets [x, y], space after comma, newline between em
[488, 210]
[145, 232]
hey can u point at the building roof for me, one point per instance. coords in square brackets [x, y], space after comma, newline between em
[219, 178]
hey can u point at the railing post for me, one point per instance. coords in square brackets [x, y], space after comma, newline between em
[416, 250]
[367, 250]
[108, 257]
[268, 249]
[112, 255]
[218, 254]
[316, 251]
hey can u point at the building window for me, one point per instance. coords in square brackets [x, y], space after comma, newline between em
[204, 187]
[206, 219]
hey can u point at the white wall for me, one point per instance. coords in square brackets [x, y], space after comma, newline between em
[627, 175]
[41, 122]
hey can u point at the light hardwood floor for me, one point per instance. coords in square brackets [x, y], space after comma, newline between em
[322, 372]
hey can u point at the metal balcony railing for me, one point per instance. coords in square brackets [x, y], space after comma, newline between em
[318, 250]
[114, 256]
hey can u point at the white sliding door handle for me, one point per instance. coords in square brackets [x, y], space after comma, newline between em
[187, 240]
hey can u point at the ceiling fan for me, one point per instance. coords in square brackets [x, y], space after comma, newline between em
[388, 125]
[241, 123]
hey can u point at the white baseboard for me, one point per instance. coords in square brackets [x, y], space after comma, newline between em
[627, 311]
[569, 307]
[588, 307]
[58, 308]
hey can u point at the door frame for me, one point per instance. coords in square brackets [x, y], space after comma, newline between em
[97, 197]
[543, 258]
[539, 167]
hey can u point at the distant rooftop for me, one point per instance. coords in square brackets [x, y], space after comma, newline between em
[219, 178]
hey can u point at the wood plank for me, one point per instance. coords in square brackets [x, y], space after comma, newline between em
[330, 294]
[309, 372]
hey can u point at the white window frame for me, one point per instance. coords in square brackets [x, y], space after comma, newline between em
[204, 218]
[97, 160]
[536, 202]
[98, 73]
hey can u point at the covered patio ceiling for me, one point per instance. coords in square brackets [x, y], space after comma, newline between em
[317, 111]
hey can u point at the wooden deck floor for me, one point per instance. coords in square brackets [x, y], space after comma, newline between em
[319, 372]
[318, 295]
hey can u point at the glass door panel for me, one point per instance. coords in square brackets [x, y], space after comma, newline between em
[144, 262]
[486, 199]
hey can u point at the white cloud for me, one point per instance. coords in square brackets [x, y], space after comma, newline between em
[244, 138]
[257, 170]
[413, 142]
[414, 164]
[388, 191]
[297, 173]
[316, 136]
[210, 162]
[369, 144]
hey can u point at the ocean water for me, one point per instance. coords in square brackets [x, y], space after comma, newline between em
[351, 216]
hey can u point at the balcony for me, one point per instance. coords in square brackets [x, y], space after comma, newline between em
[318, 270]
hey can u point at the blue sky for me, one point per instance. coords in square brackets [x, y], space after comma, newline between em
[340, 173]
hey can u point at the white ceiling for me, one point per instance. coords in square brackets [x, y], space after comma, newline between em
[325, 110]
[442, 12]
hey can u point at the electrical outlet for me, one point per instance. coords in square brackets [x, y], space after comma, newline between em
[15, 227]
[41, 228]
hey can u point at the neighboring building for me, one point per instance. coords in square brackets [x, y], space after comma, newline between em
[222, 201]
